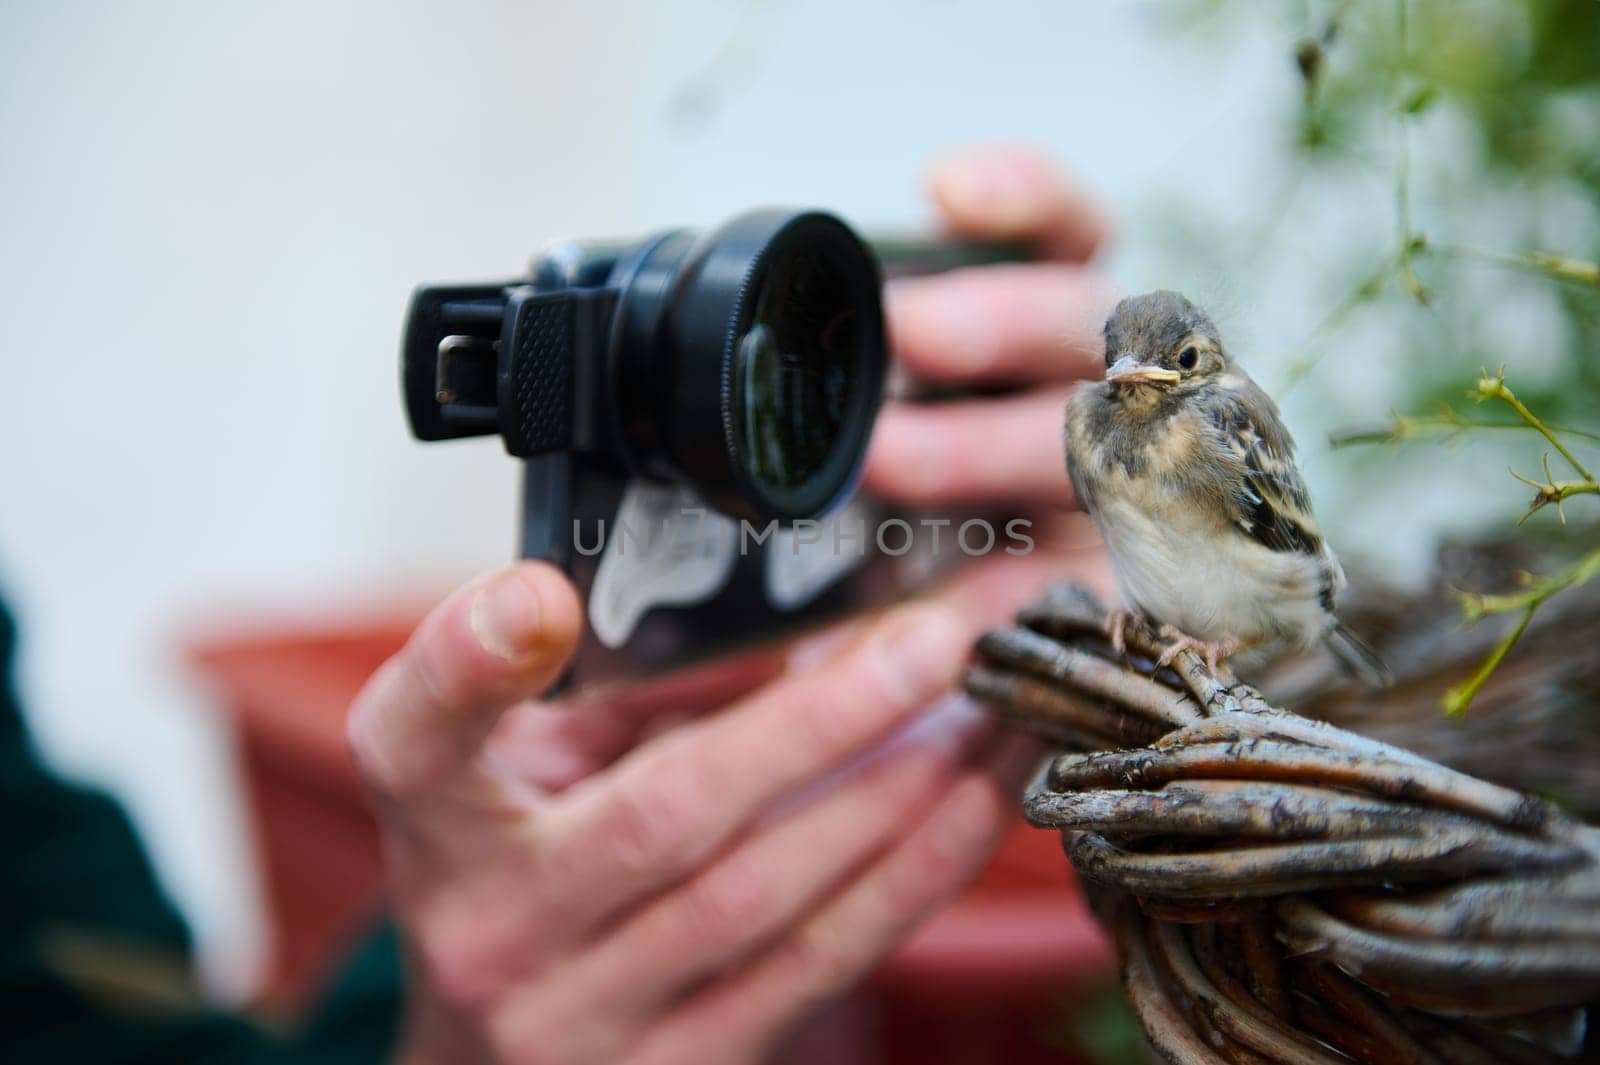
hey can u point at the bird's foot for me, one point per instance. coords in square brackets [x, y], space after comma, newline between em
[1116, 623]
[1210, 652]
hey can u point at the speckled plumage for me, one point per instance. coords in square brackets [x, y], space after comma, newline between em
[1189, 473]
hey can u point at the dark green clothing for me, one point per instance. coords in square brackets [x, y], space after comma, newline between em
[94, 959]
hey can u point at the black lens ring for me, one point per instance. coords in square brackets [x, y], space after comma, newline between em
[685, 306]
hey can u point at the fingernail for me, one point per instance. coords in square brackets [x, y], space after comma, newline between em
[954, 723]
[920, 653]
[506, 619]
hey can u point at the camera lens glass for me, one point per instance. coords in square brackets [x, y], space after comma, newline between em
[800, 364]
[807, 370]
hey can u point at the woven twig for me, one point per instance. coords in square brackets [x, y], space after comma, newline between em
[1282, 890]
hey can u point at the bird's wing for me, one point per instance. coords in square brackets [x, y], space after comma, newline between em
[1269, 501]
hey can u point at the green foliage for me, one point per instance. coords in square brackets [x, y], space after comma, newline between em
[1522, 77]
[1536, 590]
[1485, 117]
[1528, 76]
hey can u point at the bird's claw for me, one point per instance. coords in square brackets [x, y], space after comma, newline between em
[1116, 623]
[1210, 653]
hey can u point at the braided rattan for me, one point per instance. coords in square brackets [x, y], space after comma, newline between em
[1282, 890]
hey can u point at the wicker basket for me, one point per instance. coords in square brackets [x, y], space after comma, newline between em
[1283, 890]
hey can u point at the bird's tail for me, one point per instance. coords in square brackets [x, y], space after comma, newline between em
[1359, 660]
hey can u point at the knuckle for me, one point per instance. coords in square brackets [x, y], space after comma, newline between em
[650, 826]
[830, 714]
[367, 728]
[954, 847]
[910, 886]
[359, 737]
[397, 730]
[725, 904]
[428, 680]
[820, 961]
[539, 1025]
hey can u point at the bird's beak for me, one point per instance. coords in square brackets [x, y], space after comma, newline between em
[1129, 371]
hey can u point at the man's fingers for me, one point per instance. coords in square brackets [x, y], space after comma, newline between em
[661, 812]
[742, 902]
[1009, 191]
[427, 712]
[979, 450]
[858, 927]
[766, 884]
[1006, 323]
[552, 746]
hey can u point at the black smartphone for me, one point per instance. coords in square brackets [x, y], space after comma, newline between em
[692, 411]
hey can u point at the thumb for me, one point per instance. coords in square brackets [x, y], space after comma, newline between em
[424, 716]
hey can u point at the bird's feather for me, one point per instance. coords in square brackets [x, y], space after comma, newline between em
[1268, 497]
[1359, 660]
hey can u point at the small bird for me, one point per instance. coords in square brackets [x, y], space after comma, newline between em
[1185, 466]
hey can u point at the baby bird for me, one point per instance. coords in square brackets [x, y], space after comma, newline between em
[1184, 465]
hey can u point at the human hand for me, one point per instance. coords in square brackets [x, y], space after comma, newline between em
[1033, 329]
[574, 884]
[682, 871]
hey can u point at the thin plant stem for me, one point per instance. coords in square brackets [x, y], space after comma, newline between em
[1447, 422]
[1495, 388]
[1539, 589]
[1406, 239]
[1550, 491]
[1558, 267]
[1458, 698]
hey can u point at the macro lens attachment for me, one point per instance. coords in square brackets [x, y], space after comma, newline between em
[747, 362]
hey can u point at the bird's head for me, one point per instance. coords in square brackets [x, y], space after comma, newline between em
[1160, 345]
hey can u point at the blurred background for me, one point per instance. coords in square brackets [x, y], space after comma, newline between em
[211, 217]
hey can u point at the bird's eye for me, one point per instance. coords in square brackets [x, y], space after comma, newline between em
[1188, 357]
